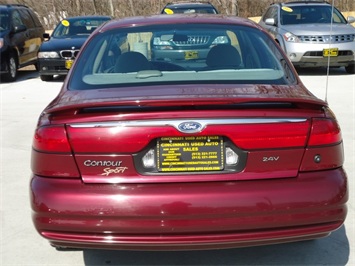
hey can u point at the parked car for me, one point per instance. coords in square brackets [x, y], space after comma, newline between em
[57, 53]
[142, 154]
[312, 32]
[180, 7]
[186, 46]
[21, 34]
[189, 45]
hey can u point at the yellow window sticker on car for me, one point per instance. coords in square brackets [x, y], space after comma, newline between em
[287, 9]
[168, 11]
[65, 23]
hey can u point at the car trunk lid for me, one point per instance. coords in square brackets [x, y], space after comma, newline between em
[206, 134]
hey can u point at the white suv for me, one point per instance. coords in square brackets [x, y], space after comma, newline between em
[308, 36]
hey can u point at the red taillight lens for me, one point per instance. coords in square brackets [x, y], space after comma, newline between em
[325, 147]
[266, 136]
[324, 132]
[51, 139]
[51, 154]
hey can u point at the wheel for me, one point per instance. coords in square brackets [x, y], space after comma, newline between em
[11, 74]
[46, 77]
[350, 69]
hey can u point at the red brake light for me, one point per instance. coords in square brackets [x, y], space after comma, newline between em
[265, 136]
[324, 132]
[51, 139]
[325, 147]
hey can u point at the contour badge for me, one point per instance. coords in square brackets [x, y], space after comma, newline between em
[189, 127]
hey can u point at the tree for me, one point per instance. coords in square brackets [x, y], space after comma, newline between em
[51, 12]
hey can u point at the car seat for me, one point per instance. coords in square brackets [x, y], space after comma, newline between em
[223, 56]
[131, 62]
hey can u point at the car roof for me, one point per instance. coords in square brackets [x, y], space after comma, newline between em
[189, 4]
[183, 5]
[160, 19]
[294, 3]
[87, 17]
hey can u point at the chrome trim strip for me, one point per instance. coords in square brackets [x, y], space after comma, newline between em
[176, 122]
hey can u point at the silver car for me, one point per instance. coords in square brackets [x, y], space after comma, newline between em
[308, 36]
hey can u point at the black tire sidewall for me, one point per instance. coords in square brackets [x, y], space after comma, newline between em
[10, 75]
[46, 77]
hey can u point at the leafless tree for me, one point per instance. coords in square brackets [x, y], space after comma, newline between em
[52, 11]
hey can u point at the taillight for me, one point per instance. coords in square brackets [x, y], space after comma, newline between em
[51, 154]
[51, 139]
[324, 148]
[271, 136]
[324, 132]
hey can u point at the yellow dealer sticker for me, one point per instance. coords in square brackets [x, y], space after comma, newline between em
[190, 154]
[287, 9]
[168, 11]
[65, 23]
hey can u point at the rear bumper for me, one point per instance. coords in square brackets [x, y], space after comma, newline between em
[174, 216]
[183, 242]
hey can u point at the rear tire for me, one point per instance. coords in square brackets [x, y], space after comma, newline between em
[350, 69]
[46, 77]
[11, 63]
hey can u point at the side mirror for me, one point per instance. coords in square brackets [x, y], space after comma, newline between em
[270, 22]
[46, 36]
[351, 19]
[19, 28]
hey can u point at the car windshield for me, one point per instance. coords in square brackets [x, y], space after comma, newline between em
[179, 54]
[81, 27]
[4, 21]
[310, 14]
[189, 10]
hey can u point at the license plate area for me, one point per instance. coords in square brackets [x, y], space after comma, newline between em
[69, 63]
[330, 52]
[190, 154]
[191, 55]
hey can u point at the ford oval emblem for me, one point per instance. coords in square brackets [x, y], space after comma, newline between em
[190, 127]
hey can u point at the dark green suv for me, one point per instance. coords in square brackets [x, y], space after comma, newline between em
[183, 7]
[21, 34]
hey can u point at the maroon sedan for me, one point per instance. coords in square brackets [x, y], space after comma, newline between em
[185, 150]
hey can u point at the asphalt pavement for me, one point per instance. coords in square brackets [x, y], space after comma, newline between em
[22, 101]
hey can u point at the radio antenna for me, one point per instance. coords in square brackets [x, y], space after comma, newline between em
[330, 41]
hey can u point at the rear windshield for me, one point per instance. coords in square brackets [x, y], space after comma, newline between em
[179, 54]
